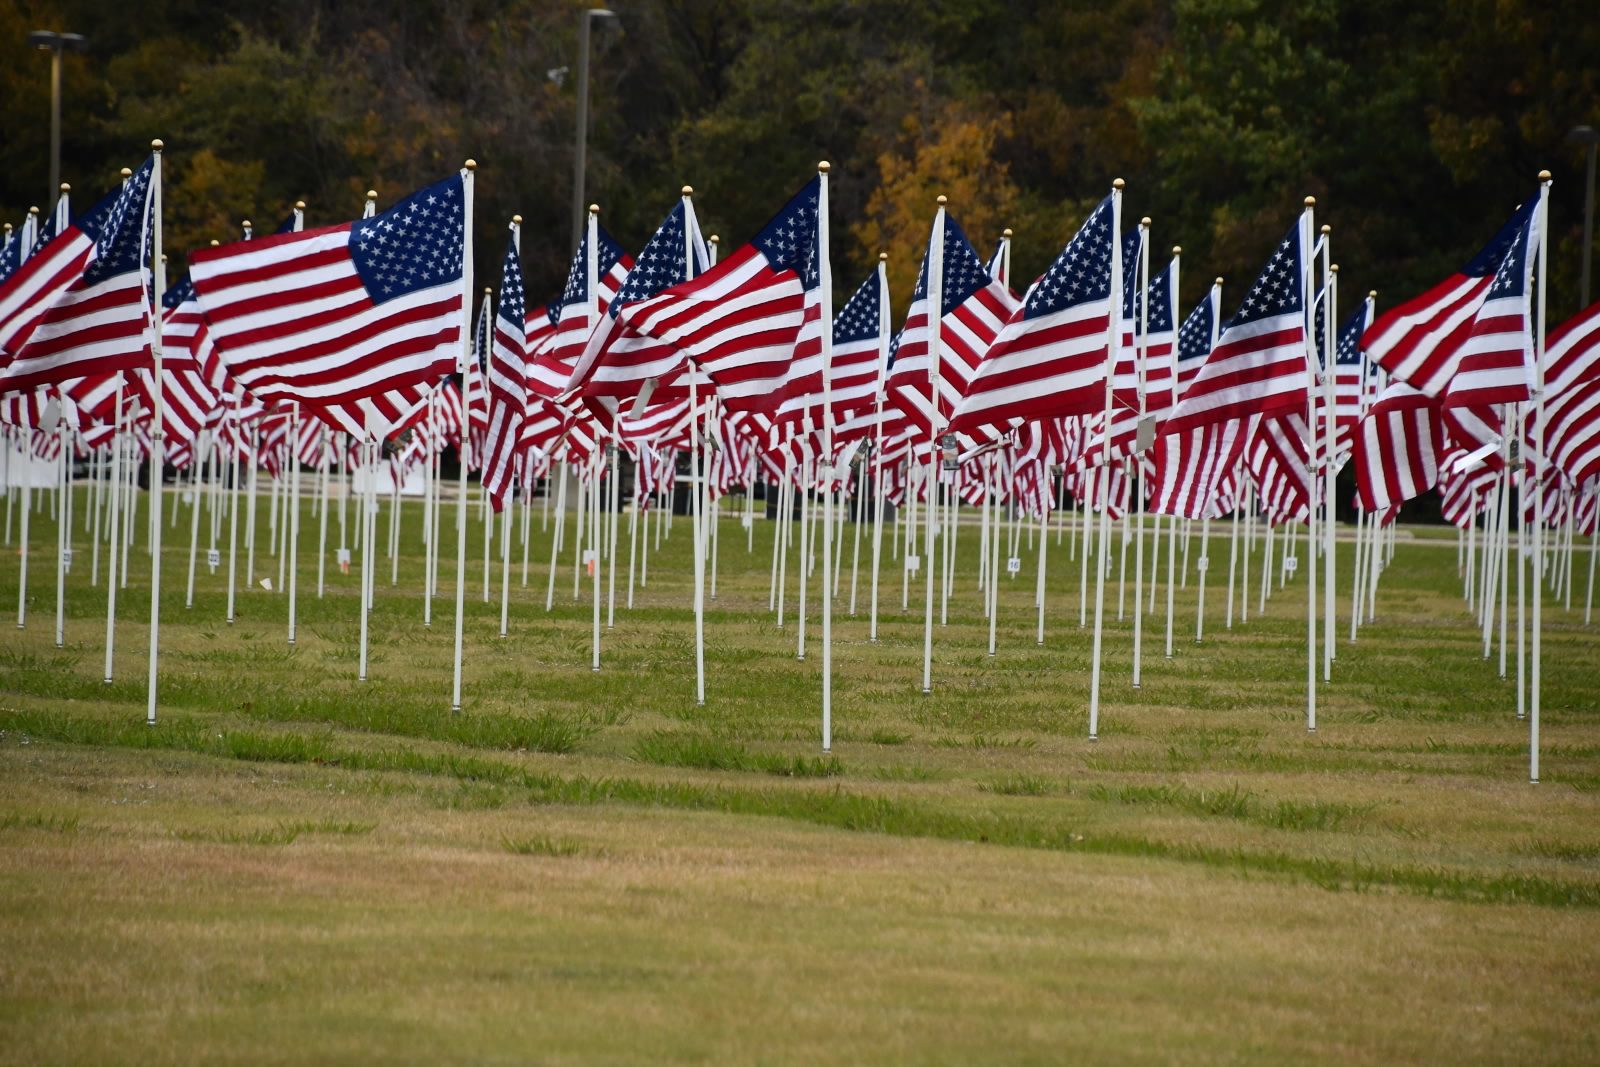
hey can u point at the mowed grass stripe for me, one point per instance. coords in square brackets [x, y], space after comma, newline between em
[836, 808]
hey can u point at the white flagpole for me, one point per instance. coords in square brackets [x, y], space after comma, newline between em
[807, 514]
[825, 284]
[250, 507]
[22, 554]
[114, 526]
[1540, 468]
[877, 447]
[1137, 486]
[1308, 227]
[634, 515]
[197, 455]
[555, 541]
[292, 520]
[991, 503]
[157, 432]
[1202, 565]
[467, 176]
[63, 527]
[234, 471]
[323, 476]
[509, 509]
[785, 521]
[1233, 559]
[592, 314]
[1113, 339]
[935, 297]
[1329, 568]
[369, 491]
[429, 506]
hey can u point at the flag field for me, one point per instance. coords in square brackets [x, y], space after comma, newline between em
[585, 867]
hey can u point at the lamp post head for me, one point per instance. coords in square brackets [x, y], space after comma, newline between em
[50, 41]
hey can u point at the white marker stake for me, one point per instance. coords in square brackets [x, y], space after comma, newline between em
[114, 528]
[1202, 565]
[235, 469]
[63, 527]
[825, 285]
[467, 174]
[325, 451]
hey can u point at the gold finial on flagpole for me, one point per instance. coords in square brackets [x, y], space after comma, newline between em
[883, 257]
[1311, 201]
[65, 187]
[157, 145]
[516, 220]
[1007, 233]
[1544, 175]
[1326, 229]
[1118, 183]
[1373, 293]
[714, 239]
[1177, 250]
[126, 172]
[824, 166]
[688, 190]
[1219, 281]
[943, 200]
[1333, 268]
[300, 205]
[1145, 221]
[471, 164]
[594, 209]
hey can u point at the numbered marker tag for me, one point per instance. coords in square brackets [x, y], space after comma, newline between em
[745, 521]
[266, 583]
[1291, 564]
[1014, 565]
[342, 556]
[213, 559]
[1203, 565]
[589, 562]
[188, 496]
[913, 564]
[66, 560]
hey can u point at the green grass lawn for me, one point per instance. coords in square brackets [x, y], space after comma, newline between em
[294, 866]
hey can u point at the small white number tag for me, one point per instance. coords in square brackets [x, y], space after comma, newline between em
[913, 564]
[1202, 565]
[1014, 565]
[66, 560]
[1291, 564]
[342, 557]
[213, 559]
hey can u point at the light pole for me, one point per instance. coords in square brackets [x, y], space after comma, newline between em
[55, 44]
[1586, 135]
[580, 154]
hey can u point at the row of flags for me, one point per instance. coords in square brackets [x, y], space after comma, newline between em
[362, 325]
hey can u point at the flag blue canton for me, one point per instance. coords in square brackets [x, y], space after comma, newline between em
[1511, 279]
[1279, 290]
[119, 227]
[1492, 257]
[858, 319]
[1130, 272]
[480, 336]
[1194, 337]
[1081, 273]
[417, 244]
[964, 272]
[513, 305]
[1159, 300]
[992, 268]
[659, 265]
[1347, 347]
[789, 241]
[11, 256]
[178, 294]
[607, 252]
[286, 226]
[47, 230]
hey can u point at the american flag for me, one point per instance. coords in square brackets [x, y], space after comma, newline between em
[617, 361]
[1191, 467]
[1278, 459]
[80, 306]
[1572, 351]
[366, 316]
[1496, 357]
[576, 314]
[1397, 448]
[1420, 341]
[507, 380]
[1258, 365]
[973, 310]
[1350, 391]
[19, 245]
[1572, 430]
[741, 320]
[1196, 338]
[1463, 494]
[857, 333]
[1050, 358]
[472, 385]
